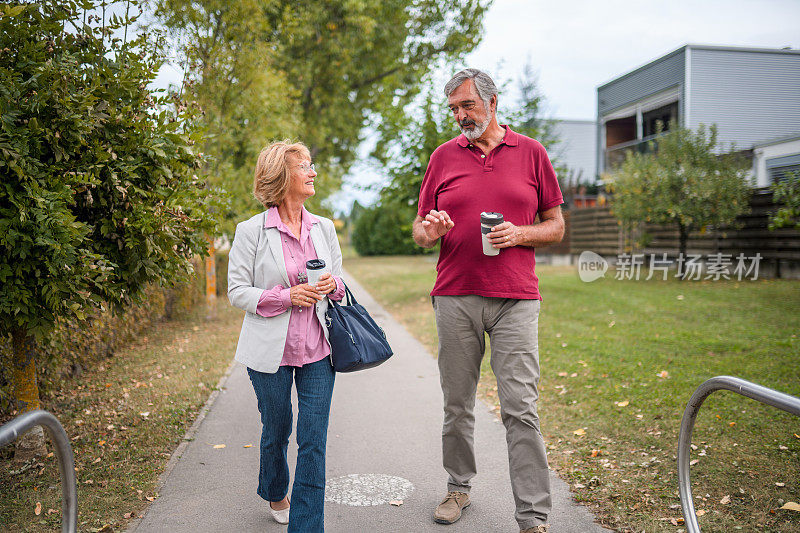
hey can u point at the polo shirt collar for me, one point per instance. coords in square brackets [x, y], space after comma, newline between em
[511, 138]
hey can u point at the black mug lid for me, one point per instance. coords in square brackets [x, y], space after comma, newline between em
[491, 218]
[315, 264]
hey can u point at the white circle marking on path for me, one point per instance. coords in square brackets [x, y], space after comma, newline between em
[360, 490]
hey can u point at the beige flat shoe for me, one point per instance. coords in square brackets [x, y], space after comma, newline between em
[281, 517]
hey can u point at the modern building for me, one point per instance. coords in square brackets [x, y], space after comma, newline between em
[751, 94]
[577, 148]
[775, 160]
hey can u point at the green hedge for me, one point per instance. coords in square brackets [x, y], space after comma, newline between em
[385, 230]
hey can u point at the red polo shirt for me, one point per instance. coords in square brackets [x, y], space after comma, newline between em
[515, 179]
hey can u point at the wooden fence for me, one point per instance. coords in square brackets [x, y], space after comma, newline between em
[597, 230]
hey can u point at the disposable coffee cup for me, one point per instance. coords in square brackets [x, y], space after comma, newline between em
[315, 269]
[489, 220]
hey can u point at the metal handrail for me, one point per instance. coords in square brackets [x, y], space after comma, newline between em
[762, 394]
[11, 431]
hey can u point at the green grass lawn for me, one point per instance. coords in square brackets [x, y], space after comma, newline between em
[619, 361]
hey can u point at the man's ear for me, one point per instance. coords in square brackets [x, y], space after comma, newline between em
[493, 103]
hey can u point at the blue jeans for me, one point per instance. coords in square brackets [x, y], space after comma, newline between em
[314, 384]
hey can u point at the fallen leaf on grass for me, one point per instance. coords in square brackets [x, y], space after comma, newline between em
[580, 432]
[396, 503]
[779, 484]
[218, 446]
[791, 506]
[731, 424]
[145, 414]
[725, 500]
[782, 447]
[700, 512]
[130, 515]
[663, 374]
[595, 453]
[623, 403]
[150, 498]
[247, 446]
[676, 521]
[51, 511]
[611, 324]
[694, 462]
[96, 460]
[38, 509]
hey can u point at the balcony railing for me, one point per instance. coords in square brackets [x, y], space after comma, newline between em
[615, 155]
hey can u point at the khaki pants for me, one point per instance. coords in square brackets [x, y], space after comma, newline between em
[512, 326]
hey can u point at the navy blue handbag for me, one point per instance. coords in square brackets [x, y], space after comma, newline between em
[357, 342]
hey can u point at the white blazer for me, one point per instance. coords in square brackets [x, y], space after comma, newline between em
[255, 263]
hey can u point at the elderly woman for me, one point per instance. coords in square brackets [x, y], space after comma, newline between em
[283, 337]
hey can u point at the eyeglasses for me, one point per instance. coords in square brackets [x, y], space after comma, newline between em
[305, 167]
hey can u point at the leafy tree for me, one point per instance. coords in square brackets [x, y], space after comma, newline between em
[227, 52]
[787, 192]
[99, 192]
[317, 71]
[407, 144]
[681, 181]
[527, 114]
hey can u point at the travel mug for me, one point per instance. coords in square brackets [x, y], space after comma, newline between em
[489, 219]
[315, 269]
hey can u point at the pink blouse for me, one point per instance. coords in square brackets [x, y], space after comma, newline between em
[305, 340]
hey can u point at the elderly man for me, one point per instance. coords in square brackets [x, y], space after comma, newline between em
[489, 168]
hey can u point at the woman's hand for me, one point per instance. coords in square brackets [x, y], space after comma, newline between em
[304, 295]
[326, 284]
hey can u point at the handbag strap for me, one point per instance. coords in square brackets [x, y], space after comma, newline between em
[349, 299]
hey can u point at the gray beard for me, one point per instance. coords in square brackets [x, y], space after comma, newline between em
[478, 130]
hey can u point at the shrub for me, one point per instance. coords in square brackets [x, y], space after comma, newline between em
[385, 229]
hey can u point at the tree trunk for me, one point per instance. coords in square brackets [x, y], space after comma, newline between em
[26, 394]
[211, 280]
[683, 238]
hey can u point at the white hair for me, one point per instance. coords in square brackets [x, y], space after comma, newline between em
[483, 84]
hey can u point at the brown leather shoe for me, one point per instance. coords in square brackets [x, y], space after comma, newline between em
[449, 510]
[542, 528]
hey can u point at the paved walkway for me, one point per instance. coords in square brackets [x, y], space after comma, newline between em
[384, 443]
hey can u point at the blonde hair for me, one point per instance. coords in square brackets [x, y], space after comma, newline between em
[271, 180]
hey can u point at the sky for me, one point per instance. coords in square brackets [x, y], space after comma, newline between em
[577, 45]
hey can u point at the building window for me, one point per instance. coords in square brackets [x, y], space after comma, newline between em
[780, 168]
[665, 115]
[777, 174]
[620, 130]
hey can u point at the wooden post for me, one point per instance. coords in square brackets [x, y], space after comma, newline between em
[211, 280]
